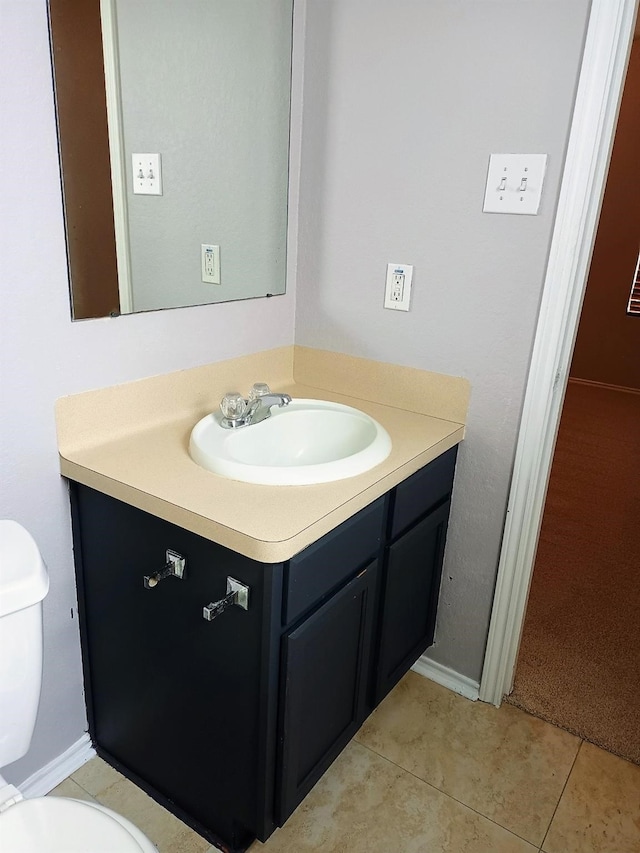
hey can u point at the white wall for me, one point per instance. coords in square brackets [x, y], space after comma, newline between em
[403, 104]
[45, 355]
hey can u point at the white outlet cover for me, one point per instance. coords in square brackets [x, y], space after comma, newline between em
[397, 291]
[514, 183]
[210, 263]
[146, 173]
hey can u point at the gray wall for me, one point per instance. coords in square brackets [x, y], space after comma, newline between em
[403, 104]
[221, 123]
[45, 356]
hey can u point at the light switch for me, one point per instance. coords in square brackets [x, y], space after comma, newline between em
[147, 174]
[514, 183]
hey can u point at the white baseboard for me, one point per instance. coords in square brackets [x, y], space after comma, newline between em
[449, 678]
[56, 771]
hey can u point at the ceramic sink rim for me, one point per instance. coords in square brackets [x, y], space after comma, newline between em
[305, 443]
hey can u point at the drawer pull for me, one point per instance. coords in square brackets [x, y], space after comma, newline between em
[175, 567]
[237, 593]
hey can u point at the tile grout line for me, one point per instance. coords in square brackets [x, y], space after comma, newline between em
[455, 799]
[566, 782]
[91, 797]
[88, 793]
[98, 799]
[102, 791]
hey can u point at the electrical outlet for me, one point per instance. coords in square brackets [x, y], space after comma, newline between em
[147, 174]
[210, 260]
[397, 291]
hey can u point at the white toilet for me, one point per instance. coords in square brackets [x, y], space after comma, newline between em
[43, 824]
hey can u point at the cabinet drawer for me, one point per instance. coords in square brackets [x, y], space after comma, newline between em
[423, 490]
[326, 564]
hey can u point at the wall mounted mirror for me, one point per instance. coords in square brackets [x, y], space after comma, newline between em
[173, 127]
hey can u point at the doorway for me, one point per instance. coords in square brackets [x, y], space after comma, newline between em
[578, 665]
[607, 47]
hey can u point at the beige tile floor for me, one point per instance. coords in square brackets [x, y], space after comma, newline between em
[431, 772]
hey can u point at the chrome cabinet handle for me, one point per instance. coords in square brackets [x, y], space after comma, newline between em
[175, 567]
[237, 593]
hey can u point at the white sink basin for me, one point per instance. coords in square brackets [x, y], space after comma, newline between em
[306, 442]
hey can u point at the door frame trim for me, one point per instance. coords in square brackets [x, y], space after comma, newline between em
[115, 129]
[606, 54]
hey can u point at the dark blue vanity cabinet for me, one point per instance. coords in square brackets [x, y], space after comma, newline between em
[229, 723]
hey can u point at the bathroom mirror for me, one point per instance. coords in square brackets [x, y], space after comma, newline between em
[204, 85]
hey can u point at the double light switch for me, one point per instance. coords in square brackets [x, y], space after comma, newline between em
[514, 183]
[147, 174]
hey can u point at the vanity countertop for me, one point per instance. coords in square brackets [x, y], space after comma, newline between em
[129, 443]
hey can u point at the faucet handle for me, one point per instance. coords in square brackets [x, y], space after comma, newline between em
[260, 389]
[233, 405]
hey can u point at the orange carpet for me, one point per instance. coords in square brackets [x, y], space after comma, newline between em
[579, 661]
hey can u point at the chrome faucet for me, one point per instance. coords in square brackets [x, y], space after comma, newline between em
[239, 412]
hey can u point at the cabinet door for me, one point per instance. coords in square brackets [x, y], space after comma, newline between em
[413, 566]
[324, 667]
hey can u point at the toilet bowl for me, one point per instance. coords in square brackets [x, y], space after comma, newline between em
[61, 825]
[42, 824]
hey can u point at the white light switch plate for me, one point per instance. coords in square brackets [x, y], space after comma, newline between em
[514, 183]
[397, 291]
[147, 174]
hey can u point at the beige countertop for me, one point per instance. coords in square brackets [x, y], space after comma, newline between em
[131, 442]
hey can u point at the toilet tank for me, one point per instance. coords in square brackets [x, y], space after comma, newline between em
[23, 584]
